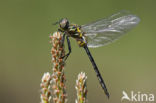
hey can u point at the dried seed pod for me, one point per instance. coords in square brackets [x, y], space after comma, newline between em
[45, 88]
[81, 88]
[58, 80]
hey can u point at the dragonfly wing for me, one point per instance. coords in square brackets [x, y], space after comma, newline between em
[104, 31]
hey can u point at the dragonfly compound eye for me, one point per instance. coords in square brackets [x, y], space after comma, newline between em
[64, 23]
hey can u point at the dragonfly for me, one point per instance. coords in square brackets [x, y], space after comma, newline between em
[96, 34]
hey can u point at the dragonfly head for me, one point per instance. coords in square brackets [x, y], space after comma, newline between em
[64, 23]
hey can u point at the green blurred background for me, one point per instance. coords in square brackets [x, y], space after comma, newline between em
[128, 64]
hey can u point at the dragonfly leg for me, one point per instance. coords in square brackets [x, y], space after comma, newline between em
[69, 48]
[62, 42]
[97, 71]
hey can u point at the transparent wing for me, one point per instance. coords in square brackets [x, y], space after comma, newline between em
[104, 31]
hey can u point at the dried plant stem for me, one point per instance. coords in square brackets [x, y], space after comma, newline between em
[58, 78]
[81, 88]
[45, 88]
